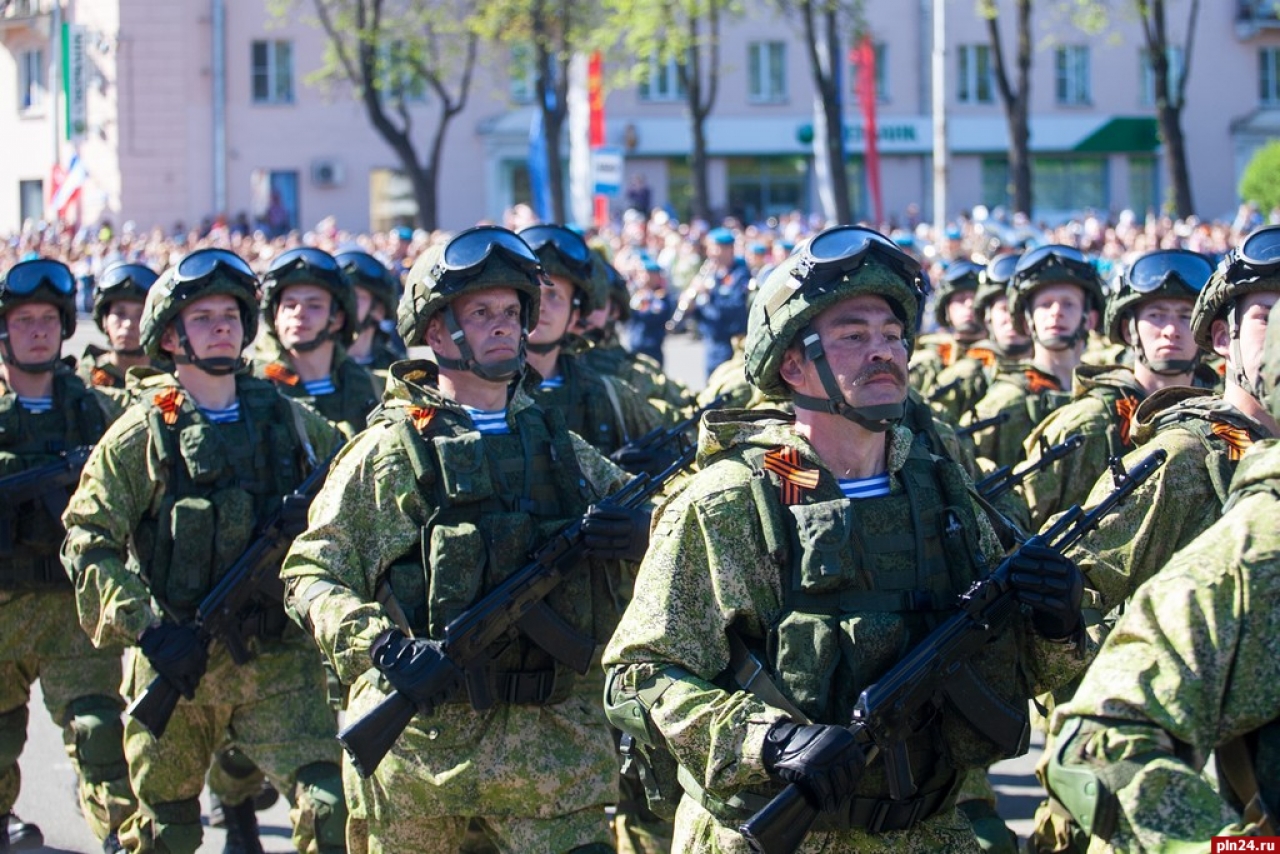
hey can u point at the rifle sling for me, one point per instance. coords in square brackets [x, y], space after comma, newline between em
[1236, 767]
[749, 675]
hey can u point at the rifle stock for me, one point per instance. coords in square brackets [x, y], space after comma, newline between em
[885, 709]
[515, 602]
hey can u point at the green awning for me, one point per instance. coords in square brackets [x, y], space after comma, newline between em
[1123, 134]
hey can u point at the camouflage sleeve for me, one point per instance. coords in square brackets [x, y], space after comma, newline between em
[1189, 666]
[118, 486]
[1162, 515]
[706, 568]
[112, 402]
[603, 475]
[1069, 480]
[324, 437]
[639, 415]
[361, 521]
[1001, 443]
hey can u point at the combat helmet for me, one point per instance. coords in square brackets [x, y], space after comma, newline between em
[1269, 371]
[307, 265]
[40, 280]
[609, 285]
[1053, 264]
[993, 282]
[1253, 267]
[836, 264]
[200, 274]
[477, 259]
[1165, 274]
[563, 252]
[961, 276]
[121, 282]
[366, 271]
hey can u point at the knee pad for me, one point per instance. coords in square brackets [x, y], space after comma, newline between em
[99, 739]
[319, 791]
[177, 826]
[235, 764]
[13, 735]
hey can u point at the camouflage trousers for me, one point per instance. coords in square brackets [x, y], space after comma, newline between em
[41, 638]
[274, 711]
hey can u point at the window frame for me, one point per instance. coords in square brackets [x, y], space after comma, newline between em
[33, 82]
[970, 82]
[761, 58]
[273, 72]
[1072, 76]
[648, 93]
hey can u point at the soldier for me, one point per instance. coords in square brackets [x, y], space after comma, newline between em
[1150, 314]
[171, 496]
[117, 310]
[959, 325]
[1189, 670]
[813, 552]
[459, 476]
[377, 295]
[1055, 296]
[311, 318]
[44, 410]
[718, 297]
[604, 410]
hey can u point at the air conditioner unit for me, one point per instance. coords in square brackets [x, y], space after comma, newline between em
[326, 173]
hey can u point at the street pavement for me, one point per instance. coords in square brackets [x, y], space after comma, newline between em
[48, 786]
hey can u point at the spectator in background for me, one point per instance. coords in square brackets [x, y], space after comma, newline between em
[639, 196]
[651, 308]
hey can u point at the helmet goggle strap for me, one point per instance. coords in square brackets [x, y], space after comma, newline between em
[1162, 367]
[26, 367]
[217, 366]
[877, 418]
[1253, 386]
[501, 371]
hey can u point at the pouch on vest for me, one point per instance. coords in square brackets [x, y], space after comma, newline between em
[203, 452]
[233, 512]
[807, 652]
[456, 558]
[190, 541]
[825, 530]
[464, 468]
[407, 578]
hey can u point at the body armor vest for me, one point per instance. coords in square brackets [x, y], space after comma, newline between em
[1120, 403]
[31, 534]
[584, 403]
[862, 589]
[94, 370]
[494, 499]
[354, 395]
[221, 481]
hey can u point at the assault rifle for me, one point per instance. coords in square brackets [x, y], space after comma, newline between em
[1005, 478]
[943, 390]
[658, 438]
[239, 600]
[515, 603]
[49, 483]
[939, 668]
[970, 429]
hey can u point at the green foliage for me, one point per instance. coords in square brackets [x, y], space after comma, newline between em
[1260, 182]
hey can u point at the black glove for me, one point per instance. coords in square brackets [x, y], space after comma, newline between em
[417, 668]
[177, 654]
[640, 460]
[825, 761]
[616, 533]
[1052, 586]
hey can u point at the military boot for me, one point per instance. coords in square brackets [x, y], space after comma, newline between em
[242, 829]
[18, 835]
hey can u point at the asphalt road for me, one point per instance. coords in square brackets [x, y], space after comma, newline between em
[48, 786]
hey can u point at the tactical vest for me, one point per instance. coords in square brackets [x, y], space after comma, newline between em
[584, 403]
[863, 583]
[1119, 403]
[492, 499]
[220, 480]
[1224, 443]
[94, 370]
[30, 535]
[354, 395]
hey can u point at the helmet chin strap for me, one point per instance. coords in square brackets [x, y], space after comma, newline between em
[326, 334]
[1253, 386]
[129, 351]
[1163, 367]
[877, 418]
[1057, 342]
[26, 367]
[217, 366]
[500, 371]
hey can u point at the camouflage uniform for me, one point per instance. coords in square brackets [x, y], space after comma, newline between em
[603, 410]
[167, 501]
[1027, 394]
[39, 636]
[960, 385]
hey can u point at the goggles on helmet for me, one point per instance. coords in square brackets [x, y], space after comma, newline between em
[1150, 272]
[1052, 255]
[303, 258]
[839, 251]
[203, 263]
[1000, 270]
[361, 264]
[23, 279]
[125, 276]
[466, 254]
[961, 269]
[1259, 255]
[568, 245]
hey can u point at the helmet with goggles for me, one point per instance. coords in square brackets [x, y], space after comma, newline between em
[40, 280]
[1165, 274]
[563, 252]
[365, 271]
[203, 273]
[121, 282]
[307, 265]
[961, 276]
[1053, 264]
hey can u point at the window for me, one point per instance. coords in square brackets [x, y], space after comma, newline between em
[30, 200]
[767, 72]
[31, 79]
[273, 72]
[882, 72]
[1071, 67]
[1174, 55]
[523, 72]
[1144, 184]
[761, 187]
[974, 78]
[662, 82]
[1058, 184]
[397, 77]
[1269, 75]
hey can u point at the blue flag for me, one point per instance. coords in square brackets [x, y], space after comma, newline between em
[539, 179]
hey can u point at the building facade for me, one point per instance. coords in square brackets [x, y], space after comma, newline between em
[179, 111]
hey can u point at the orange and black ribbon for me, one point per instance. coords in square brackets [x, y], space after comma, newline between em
[169, 402]
[946, 351]
[421, 416]
[1125, 407]
[1237, 438]
[785, 463]
[279, 373]
[982, 354]
[100, 377]
[1038, 382]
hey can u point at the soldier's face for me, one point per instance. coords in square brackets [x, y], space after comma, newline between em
[490, 322]
[35, 332]
[1000, 325]
[364, 300]
[123, 324]
[557, 311]
[214, 328]
[960, 314]
[305, 311]
[864, 344]
[1056, 311]
[1164, 329]
[1253, 310]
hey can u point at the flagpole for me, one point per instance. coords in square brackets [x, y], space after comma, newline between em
[940, 165]
[55, 61]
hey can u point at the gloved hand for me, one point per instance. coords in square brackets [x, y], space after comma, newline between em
[825, 761]
[640, 460]
[1052, 586]
[177, 654]
[417, 668]
[615, 533]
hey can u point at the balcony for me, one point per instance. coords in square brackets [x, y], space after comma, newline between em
[1256, 16]
[24, 14]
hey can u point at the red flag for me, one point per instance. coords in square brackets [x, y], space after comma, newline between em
[865, 59]
[595, 103]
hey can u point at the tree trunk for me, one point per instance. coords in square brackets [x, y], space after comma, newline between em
[552, 123]
[424, 194]
[1175, 153]
[829, 86]
[1020, 157]
[701, 208]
